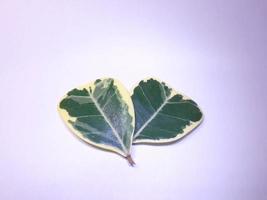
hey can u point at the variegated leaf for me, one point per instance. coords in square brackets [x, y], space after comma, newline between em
[161, 114]
[102, 114]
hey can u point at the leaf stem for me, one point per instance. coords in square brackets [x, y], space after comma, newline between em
[130, 160]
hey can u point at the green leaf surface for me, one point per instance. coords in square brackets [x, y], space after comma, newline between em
[102, 114]
[161, 114]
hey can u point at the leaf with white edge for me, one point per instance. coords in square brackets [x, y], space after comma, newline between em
[161, 114]
[102, 114]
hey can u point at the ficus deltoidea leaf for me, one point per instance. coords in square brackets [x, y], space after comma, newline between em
[103, 113]
[161, 114]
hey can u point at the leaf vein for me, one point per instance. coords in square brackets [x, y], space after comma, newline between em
[151, 118]
[160, 113]
[146, 98]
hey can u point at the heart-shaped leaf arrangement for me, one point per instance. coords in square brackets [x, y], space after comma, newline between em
[103, 114]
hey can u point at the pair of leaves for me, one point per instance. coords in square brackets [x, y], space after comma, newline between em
[105, 115]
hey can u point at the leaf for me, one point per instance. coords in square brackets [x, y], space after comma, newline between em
[102, 114]
[161, 114]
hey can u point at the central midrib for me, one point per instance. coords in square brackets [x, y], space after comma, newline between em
[151, 118]
[109, 123]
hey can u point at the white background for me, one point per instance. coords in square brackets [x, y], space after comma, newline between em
[213, 51]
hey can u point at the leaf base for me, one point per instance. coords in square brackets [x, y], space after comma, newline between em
[130, 160]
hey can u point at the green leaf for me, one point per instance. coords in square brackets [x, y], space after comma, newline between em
[102, 114]
[161, 114]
